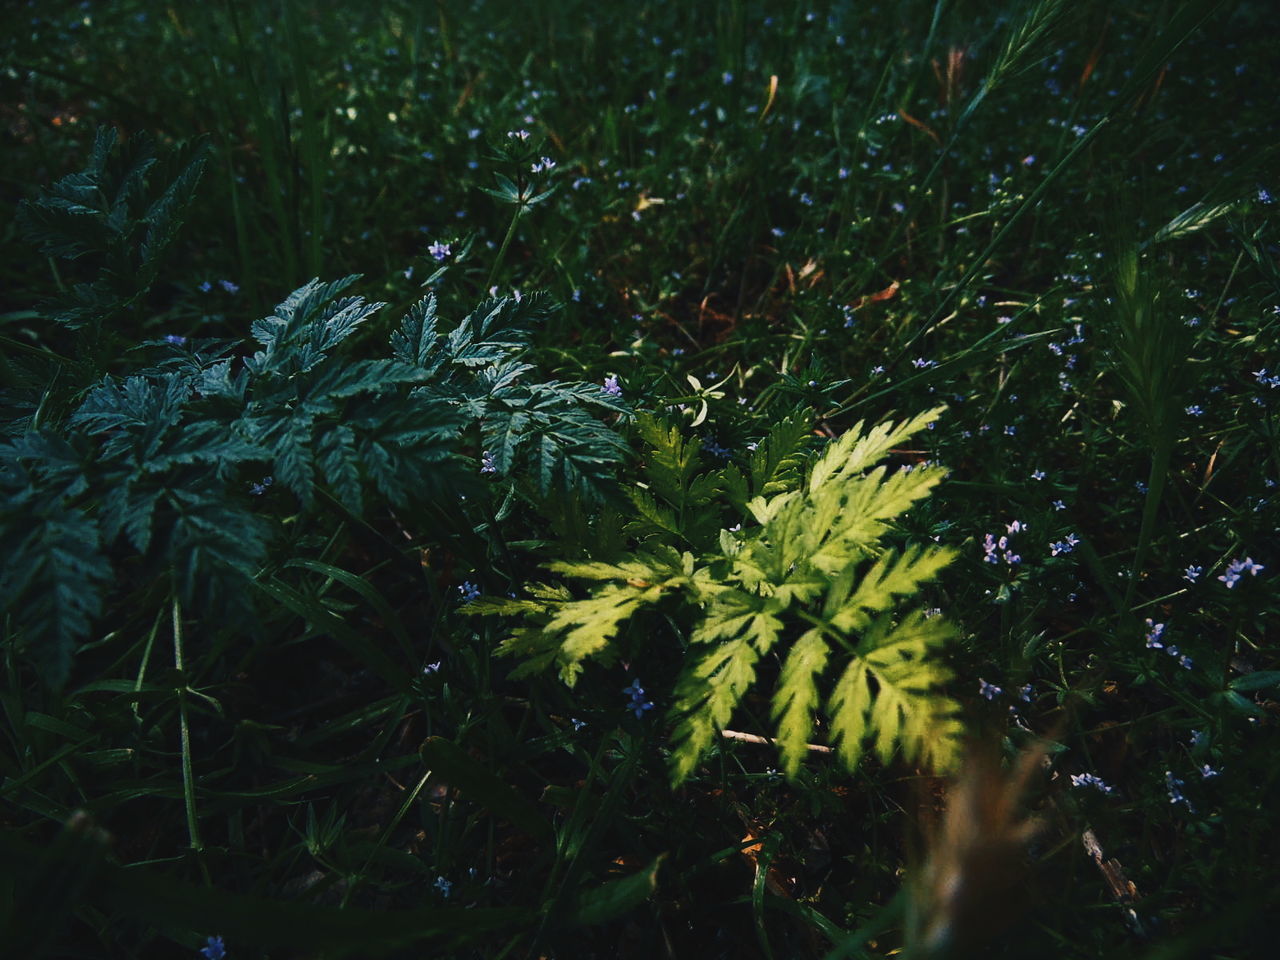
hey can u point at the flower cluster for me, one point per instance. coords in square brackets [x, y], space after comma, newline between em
[1174, 786]
[638, 703]
[439, 251]
[469, 591]
[1063, 546]
[487, 463]
[990, 545]
[1237, 567]
[611, 385]
[1155, 632]
[1089, 780]
[213, 949]
[545, 164]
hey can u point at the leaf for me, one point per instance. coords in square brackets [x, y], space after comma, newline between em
[797, 697]
[459, 770]
[614, 897]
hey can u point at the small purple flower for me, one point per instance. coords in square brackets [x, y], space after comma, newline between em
[213, 949]
[1089, 780]
[1058, 505]
[988, 691]
[174, 339]
[520, 135]
[258, 489]
[611, 386]
[228, 286]
[1192, 573]
[638, 703]
[444, 886]
[1154, 632]
[487, 464]
[1174, 786]
[543, 165]
[469, 591]
[1037, 475]
[1207, 771]
[439, 251]
[205, 287]
[432, 667]
[1237, 567]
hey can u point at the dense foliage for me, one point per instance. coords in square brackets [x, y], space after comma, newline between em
[552, 479]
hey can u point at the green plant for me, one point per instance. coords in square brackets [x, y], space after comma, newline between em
[806, 577]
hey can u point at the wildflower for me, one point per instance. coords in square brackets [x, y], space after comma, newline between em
[988, 690]
[521, 135]
[1154, 632]
[1037, 475]
[1198, 738]
[1089, 780]
[1024, 692]
[1174, 786]
[1192, 573]
[213, 949]
[920, 363]
[1207, 771]
[432, 667]
[638, 703]
[1028, 160]
[207, 286]
[439, 250]
[173, 338]
[712, 447]
[443, 885]
[258, 489]
[228, 286]
[611, 385]
[543, 164]
[1264, 196]
[1194, 410]
[1236, 568]
[487, 464]
[577, 724]
[1186, 662]
[469, 591]
[1059, 505]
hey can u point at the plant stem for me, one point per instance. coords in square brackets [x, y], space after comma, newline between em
[188, 777]
[502, 250]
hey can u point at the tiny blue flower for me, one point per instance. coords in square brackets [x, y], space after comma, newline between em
[1194, 410]
[205, 287]
[173, 338]
[1037, 475]
[1059, 505]
[214, 949]
[1192, 573]
[611, 386]
[443, 885]
[438, 250]
[988, 690]
[1089, 780]
[228, 286]
[469, 591]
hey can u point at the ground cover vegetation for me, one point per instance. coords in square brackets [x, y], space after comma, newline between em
[553, 479]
